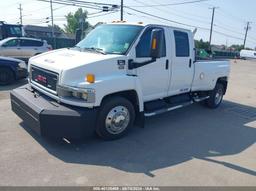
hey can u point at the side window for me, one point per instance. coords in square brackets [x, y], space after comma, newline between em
[33, 43]
[12, 43]
[25, 43]
[143, 47]
[181, 44]
[38, 43]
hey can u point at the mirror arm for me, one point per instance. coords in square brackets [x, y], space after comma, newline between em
[134, 65]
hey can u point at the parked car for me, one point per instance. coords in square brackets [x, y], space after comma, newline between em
[23, 48]
[248, 54]
[119, 74]
[12, 69]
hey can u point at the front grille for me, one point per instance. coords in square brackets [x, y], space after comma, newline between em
[44, 77]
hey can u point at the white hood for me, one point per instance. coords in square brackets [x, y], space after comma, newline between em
[66, 59]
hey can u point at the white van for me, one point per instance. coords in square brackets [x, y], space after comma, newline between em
[248, 54]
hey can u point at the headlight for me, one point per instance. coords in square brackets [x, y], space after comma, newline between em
[87, 95]
[22, 65]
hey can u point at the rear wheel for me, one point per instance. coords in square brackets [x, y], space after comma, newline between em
[115, 118]
[216, 96]
[6, 76]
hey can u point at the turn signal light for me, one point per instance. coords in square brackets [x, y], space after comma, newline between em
[90, 78]
[154, 44]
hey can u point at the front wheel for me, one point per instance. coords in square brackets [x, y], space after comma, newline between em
[216, 96]
[115, 117]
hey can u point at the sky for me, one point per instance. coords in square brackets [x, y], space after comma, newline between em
[231, 16]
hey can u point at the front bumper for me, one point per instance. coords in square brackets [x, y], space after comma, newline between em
[51, 119]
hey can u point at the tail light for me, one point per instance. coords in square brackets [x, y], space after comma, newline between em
[49, 48]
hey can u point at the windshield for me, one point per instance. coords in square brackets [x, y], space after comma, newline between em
[111, 39]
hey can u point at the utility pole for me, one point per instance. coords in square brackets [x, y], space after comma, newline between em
[53, 35]
[122, 10]
[246, 32]
[213, 14]
[20, 14]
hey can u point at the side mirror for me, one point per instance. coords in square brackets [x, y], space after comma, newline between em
[156, 42]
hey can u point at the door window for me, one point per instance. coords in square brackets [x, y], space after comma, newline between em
[181, 44]
[31, 43]
[143, 47]
[11, 43]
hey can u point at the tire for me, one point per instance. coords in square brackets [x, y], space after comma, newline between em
[6, 76]
[216, 97]
[116, 117]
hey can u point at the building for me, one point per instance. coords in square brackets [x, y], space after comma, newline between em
[45, 32]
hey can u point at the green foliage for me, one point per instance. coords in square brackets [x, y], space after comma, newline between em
[76, 21]
[237, 47]
[200, 44]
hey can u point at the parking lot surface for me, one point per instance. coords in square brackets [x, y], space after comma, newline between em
[193, 146]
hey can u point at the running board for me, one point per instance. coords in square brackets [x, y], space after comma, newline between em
[164, 110]
[200, 99]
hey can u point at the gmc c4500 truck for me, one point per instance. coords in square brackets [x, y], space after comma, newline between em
[114, 78]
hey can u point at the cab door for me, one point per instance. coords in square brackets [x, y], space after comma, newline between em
[182, 71]
[154, 76]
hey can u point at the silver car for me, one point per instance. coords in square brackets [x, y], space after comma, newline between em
[22, 47]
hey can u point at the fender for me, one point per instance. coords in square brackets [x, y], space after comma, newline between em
[114, 84]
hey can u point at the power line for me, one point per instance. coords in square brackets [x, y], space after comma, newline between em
[169, 12]
[184, 24]
[151, 18]
[171, 4]
[169, 20]
[70, 4]
[108, 13]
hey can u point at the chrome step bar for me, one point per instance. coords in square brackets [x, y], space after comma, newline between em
[197, 100]
[171, 108]
[157, 112]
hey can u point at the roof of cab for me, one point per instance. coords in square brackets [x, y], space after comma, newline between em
[146, 24]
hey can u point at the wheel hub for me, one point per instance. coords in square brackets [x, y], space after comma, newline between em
[218, 96]
[117, 120]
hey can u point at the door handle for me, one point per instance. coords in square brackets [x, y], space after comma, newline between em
[167, 65]
[18, 48]
[190, 62]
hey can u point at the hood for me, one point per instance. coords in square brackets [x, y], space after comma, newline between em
[66, 59]
[72, 65]
[10, 59]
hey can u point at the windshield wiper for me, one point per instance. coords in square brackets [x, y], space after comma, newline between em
[98, 50]
[76, 48]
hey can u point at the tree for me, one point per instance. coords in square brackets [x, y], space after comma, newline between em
[238, 47]
[200, 44]
[76, 21]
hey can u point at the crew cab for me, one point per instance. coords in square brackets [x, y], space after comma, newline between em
[114, 78]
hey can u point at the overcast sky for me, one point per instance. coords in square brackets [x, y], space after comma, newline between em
[230, 20]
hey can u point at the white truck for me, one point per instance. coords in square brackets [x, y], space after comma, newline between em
[114, 78]
[248, 54]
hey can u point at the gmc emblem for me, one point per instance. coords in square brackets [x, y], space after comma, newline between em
[40, 78]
